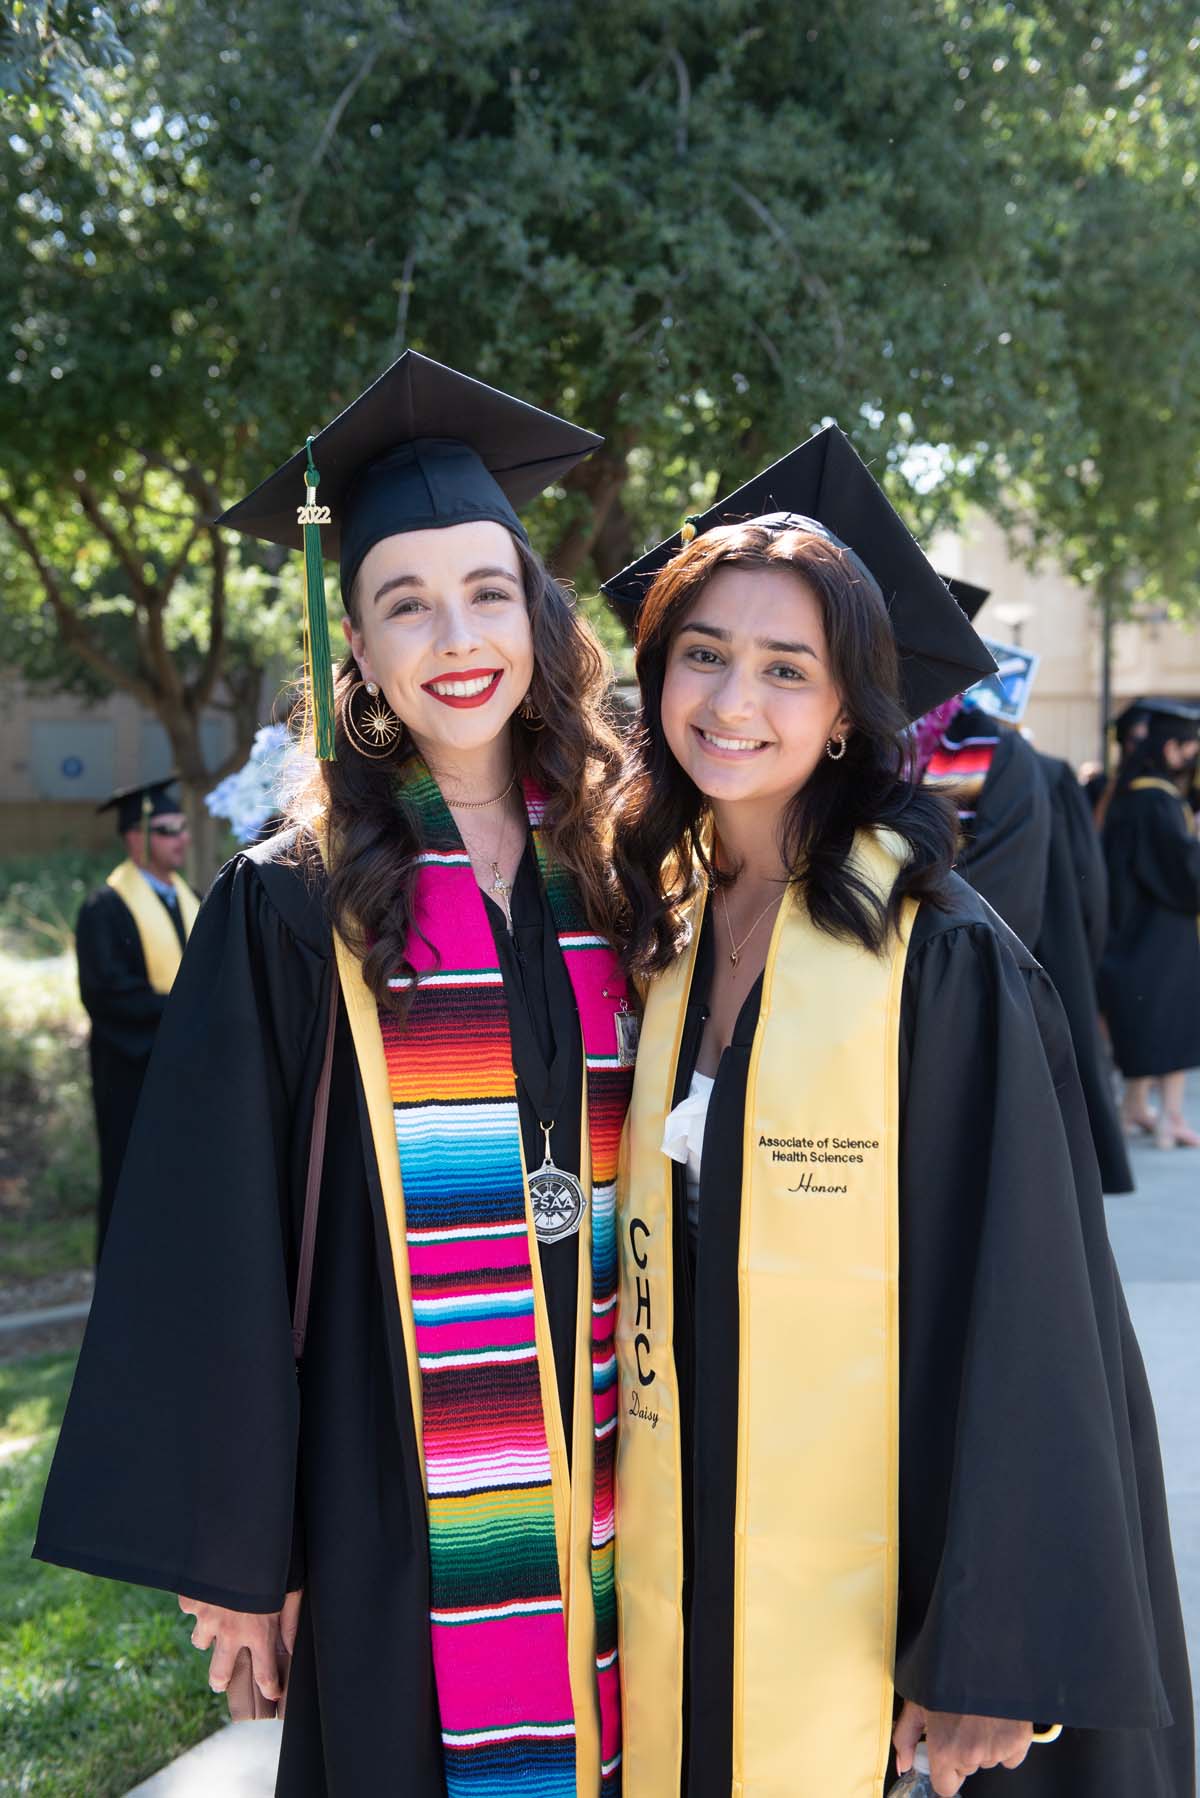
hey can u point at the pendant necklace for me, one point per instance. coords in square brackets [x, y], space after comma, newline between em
[735, 949]
[500, 889]
[555, 1197]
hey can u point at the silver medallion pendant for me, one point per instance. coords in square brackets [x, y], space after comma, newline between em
[629, 1027]
[557, 1200]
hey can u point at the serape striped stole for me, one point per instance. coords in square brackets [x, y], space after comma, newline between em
[959, 769]
[500, 1631]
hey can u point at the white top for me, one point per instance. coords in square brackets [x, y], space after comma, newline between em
[683, 1140]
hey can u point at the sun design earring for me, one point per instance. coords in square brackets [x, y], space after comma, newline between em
[835, 756]
[376, 732]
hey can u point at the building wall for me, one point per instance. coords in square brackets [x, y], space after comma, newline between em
[1061, 622]
[59, 758]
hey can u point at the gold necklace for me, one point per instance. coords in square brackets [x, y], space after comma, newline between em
[500, 888]
[479, 805]
[735, 949]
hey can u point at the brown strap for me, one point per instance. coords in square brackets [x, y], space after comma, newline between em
[312, 1185]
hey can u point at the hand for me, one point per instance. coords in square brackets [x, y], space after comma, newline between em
[270, 1637]
[958, 1746]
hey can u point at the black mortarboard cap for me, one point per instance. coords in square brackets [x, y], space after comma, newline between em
[423, 447]
[134, 805]
[969, 596]
[824, 486]
[1162, 713]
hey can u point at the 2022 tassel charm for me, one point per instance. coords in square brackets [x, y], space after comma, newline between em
[318, 657]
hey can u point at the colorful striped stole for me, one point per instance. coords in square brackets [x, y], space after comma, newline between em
[959, 769]
[498, 1625]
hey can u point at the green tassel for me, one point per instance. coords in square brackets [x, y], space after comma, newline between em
[318, 658]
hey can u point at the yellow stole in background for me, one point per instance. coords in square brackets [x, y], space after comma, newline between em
[160, 945]
[816, 1565]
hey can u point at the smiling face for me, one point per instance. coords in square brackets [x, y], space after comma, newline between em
[748, 700]
[442, 627]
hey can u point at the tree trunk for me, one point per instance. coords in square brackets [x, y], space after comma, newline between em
[601, 478]
[205, 855]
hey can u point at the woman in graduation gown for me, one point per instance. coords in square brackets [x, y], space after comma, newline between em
[1028, 845]
[1150, 976]
[887, 1458]
[434, 1493]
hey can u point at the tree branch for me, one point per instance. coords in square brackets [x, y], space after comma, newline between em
[124, 553]
[210, 673]
[328, 130]
[72, 629]
[812, 283]
[683, 101]
[402, 304]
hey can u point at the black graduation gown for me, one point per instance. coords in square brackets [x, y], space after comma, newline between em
[190, 1457]
[125, 1011]
[1006, 837]
[1069, 946]
[1030, 849]
[1150, 976]
[1036, 1575]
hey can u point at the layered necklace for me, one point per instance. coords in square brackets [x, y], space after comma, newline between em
[500, 889]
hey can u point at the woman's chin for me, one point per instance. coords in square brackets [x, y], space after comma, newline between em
[462, 731]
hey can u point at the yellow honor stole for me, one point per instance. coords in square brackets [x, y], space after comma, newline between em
[160, 945]
[815, 1584]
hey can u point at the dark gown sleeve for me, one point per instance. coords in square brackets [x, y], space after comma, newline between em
[1004, 857]
[1087, 857]
[113, 984]
[176, 1463]
[1149, 840]
[1032, 1585]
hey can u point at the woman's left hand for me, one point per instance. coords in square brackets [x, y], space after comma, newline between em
[958, 1745]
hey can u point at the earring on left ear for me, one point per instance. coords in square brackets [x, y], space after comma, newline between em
[529, 715]
[835, 756]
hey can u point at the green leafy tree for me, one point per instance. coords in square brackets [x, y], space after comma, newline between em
[51, 51]
[701, 229]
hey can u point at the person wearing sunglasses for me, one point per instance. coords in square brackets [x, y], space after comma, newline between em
[129, 940]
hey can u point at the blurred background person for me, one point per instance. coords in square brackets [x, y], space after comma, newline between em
[129, 940]
[1028, 846]
[1150, 976]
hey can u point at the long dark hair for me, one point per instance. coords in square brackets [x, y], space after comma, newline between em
[660, 850]
[1146, 757]
[573, 753]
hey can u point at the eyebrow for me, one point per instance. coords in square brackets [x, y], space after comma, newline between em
[771, 643]
[414, 580]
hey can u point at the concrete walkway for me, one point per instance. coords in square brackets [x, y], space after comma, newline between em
[1155, 1234]
[1156, 1238]
[238, 1762]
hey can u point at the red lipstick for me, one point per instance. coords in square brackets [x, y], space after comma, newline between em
[493, 676]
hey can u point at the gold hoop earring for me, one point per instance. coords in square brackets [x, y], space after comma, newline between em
[376, 734]
[529, 715]
[829, 743]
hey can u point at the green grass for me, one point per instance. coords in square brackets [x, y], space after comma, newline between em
[48, 1158]
[40, 897]
[99, 1684]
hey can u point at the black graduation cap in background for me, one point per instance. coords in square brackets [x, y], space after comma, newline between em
[969, 596]
[825, 485]
[137, 805]
[422, 448]
[1161, 713]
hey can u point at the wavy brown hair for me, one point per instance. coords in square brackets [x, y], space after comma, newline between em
[660, 850]
[575, 758]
